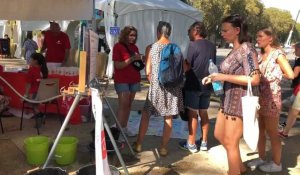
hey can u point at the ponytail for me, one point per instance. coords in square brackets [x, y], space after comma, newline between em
[42, 63]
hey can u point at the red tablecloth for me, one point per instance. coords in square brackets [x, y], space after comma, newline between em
[18, 81]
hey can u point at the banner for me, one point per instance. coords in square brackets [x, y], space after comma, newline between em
[102, 167]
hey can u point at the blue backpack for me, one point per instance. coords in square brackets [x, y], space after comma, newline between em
[170, 73]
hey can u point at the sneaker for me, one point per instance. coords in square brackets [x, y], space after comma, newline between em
[270, 167]
[203, 146]
[282, 135]
[188, 147]
[255, 163]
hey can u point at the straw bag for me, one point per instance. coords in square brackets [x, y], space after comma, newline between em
[250, 105]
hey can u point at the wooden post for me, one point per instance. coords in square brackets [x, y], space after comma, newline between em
[82, 72]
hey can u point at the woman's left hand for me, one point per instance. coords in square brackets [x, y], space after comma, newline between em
[217, 77]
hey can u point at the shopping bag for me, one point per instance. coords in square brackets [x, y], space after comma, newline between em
[250, 105]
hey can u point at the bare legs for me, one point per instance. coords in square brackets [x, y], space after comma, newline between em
[167, 131]
[292, 116]
[229, 132]
[193, 124]
[125, 101]
[204, 123]
[144, 127]
[269, 125]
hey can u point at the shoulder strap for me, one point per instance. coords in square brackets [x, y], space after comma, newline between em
[270, 57]
[127, 48]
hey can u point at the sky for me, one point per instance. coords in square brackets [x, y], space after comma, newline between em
[291, 5]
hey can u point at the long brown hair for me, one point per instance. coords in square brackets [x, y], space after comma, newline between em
[270, 32]
[123, 38]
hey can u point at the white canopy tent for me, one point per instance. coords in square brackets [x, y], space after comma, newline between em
[145, 15]
[46, 10]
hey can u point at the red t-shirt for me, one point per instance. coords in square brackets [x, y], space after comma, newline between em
[34, 77]
[128, 74]
[56, 46]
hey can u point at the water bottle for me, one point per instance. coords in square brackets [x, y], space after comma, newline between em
[217, 85]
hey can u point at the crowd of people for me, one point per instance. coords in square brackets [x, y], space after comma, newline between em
[266, 69]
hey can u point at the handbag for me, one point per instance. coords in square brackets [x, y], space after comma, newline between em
[250, 106]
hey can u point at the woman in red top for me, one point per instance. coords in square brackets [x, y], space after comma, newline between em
[38, 70]
[126, 77]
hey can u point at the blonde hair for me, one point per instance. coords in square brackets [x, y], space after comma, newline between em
[270, 32]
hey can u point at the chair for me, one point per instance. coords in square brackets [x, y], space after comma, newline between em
[1, 123]
[1, 115]
[48, 88]
[3, 107]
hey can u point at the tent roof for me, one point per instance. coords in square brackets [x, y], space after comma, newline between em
[127, 6]
[46, 9]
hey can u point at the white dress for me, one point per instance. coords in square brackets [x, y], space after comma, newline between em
[161, 101]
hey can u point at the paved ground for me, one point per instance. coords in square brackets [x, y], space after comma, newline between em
[212, 162]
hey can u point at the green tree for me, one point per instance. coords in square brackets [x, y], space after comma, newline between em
[213, 11]
[280, 20]
[253, 11]
[296, 34]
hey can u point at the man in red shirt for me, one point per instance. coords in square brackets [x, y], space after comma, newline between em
[57, 44]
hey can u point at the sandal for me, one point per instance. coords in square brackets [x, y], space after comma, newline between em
[163, 151]
[137, 147]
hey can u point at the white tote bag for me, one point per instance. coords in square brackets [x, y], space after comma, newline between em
[250, 105]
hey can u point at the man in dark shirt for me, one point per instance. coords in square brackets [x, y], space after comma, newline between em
[197, 96]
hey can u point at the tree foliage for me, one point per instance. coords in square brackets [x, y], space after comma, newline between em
[281, 21]
[296, 34]
[254, 12]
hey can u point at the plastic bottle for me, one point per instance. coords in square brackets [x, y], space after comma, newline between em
[217, 85]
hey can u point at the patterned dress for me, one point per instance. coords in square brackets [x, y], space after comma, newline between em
[161, 101]
[242, 61]
[270, 96]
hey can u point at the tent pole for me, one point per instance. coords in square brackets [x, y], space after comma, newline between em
[62, 129]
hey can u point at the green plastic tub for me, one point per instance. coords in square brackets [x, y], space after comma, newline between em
[36, 149]
[65, 152]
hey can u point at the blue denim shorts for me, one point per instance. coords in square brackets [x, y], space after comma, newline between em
[125, 87]
[196, 100]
